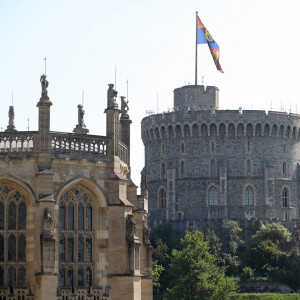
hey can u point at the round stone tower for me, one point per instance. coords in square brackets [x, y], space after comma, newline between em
[203, 164]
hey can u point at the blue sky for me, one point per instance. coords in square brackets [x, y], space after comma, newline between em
[153, 45]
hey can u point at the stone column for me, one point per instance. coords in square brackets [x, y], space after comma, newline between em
[171, 195]
[269, 190]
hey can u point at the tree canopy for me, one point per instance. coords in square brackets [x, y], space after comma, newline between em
[195, 273]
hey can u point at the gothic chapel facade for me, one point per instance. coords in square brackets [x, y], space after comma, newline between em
[71, 223]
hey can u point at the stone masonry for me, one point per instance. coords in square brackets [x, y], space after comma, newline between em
[71, 223]
[204, 166]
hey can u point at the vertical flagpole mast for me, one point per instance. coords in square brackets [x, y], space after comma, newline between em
[196, 56]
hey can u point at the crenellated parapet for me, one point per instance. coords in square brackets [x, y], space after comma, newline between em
[220, 123]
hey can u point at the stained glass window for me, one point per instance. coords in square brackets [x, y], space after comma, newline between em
[70, 248]
[62, 212]
[80, 248]
[61, 277]
[1, 247]
[76, 238]
[61, 247]
[80, 276]
[71, 216]
[88, 217]
[22, 216]
[88, 248]
[22, 248]
[21, 277]
[70, 277]
[12, 248]
[12, 215]
[1, 216]
[1, 276]
[12, 276]
[80, 216]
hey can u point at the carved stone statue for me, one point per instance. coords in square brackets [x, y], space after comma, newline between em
[80, 127]
[131, 228]
[146, 231]
[111, 96]
[124, 106]
[44, 84]
[11, 119]
[81, 113]
[48, 214]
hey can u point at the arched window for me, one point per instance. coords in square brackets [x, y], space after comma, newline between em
[248, 167]
[213, 167]
[285, 197]
[182, 168]
[213, 196]
[212, 146]
[13, 215]
[162, 201]
[76, 233]
[162, 149]
[182, 147]
[284, 168]
[248, 196]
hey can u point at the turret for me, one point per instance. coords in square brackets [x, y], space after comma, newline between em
[197, 97]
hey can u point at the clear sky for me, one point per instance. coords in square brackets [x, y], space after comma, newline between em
[153, 45]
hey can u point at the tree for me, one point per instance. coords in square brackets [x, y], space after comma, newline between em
[156, 271]
[195, 273]
[274, 232]
[234, 238]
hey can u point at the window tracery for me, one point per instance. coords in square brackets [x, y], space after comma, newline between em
[248, 196]
[13, 215]
[162, 201]
[213, 196]
[75, 238]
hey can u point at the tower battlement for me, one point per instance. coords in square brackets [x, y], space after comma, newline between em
[197, 97]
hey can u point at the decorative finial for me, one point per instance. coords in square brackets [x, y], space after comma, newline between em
[202, 81]
[28, 120]
[45, 59]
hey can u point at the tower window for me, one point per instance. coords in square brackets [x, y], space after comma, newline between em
[248, 167]
[162, 149]
[213, 196]
[182, 147]
[182, 168]
[162, 201]
[248, 196]
[212, 147]
[285, 197]
[284, 168]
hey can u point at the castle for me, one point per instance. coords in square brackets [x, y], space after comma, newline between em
[71, 223]
[204, 166]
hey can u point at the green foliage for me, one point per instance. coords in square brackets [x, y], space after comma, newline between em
[247, 274]
[263, 297]
[156, 271]
[160, 252]
[276, 233]
[234, 238]
[167, 234]
[265, 253]
[195, 274]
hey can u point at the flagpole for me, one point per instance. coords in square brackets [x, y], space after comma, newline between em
[196, 50]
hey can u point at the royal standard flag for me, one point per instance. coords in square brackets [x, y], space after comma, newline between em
[204, 37]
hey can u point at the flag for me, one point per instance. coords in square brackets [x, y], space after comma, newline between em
[204, 37]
